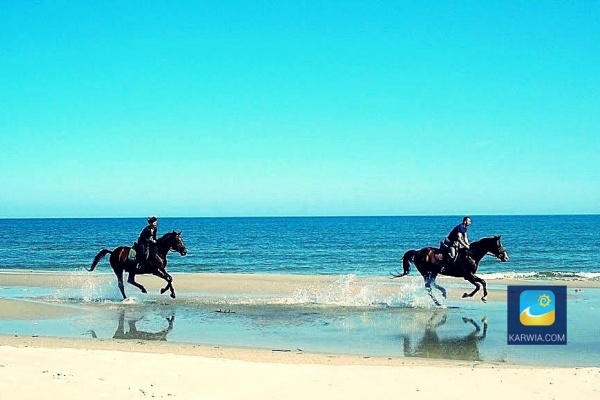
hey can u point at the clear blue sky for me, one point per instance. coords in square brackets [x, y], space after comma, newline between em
[225, 108]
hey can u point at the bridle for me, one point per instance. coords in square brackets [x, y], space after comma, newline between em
[501, 253]
[179, 246]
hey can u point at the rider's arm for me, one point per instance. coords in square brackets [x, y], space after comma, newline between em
[462, 239]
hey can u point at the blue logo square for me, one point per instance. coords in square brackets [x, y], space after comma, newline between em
[537, 308]
[537, 315]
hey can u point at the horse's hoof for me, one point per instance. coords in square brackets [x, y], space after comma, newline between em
[465, 295]
[172, 295]
[144, 291]
[484, 299]
[162, 291]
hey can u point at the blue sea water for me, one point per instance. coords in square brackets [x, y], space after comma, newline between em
[539, 246]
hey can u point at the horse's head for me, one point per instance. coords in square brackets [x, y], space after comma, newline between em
[176, 243]
[498, 249]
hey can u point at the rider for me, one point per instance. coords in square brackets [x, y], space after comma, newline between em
[147, 241]
[458, 238]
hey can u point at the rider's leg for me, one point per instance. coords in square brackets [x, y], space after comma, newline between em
[155, 259]
[141, 251]
[452, 252]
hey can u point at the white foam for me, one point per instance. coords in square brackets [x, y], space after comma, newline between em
[349, 291]
[542, 275]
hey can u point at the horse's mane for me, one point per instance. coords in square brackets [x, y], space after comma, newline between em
[485, 243]
[485, 239]
[166, 236]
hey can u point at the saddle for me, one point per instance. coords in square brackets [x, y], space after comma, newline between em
[442, 255]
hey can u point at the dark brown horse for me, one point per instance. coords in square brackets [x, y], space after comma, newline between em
[431, 262]
[120, 262]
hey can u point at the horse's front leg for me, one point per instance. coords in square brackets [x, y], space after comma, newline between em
[484, 284]
[131, 281]
[475, 280]
[164, 275]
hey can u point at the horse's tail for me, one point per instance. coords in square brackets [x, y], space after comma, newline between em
[99, 257]
[408, 258]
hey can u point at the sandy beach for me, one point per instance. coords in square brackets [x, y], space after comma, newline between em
[50, 367]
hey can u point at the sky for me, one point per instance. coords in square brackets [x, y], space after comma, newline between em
[298, 108]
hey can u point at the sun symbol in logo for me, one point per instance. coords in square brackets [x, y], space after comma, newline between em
[544, 300]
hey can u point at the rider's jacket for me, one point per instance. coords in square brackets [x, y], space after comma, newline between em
[452, 239]
[147, 235]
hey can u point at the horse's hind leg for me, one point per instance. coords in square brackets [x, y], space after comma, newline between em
[440, 288]
[119, 273]
[131, 281]
[428, 282]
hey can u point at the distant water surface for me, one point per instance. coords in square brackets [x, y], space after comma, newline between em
[539, 246]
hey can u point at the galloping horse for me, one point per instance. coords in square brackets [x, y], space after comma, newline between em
[430, 262]
[120, 262]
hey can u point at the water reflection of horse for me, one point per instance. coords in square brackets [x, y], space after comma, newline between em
[120, 262]
[431, 345]
[430, 262]
[134, 333]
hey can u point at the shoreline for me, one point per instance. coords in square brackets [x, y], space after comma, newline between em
[51, 278]
[231, 289]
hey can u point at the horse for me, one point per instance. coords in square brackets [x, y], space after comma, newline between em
[431, 262]
[120, 262]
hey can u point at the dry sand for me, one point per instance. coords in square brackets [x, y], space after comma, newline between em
[34, 368]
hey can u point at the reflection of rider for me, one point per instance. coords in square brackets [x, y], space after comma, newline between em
[147, 240]
[458, 238]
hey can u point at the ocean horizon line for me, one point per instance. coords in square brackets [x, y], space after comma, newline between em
[304, 216]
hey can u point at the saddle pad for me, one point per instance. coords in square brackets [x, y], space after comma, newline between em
[131, 255]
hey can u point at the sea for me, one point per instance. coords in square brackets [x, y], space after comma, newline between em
[564, 247]
[542, 250]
